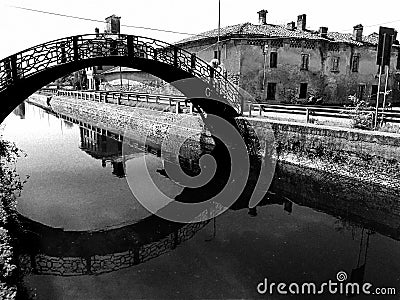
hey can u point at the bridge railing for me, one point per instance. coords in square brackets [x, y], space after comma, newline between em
[39, 58]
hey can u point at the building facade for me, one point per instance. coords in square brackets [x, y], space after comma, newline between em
[93, 75]
[288, 64]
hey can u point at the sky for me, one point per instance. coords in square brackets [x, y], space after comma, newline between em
[21, 29]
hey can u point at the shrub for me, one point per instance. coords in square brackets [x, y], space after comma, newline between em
[361, 114]
[10, 187]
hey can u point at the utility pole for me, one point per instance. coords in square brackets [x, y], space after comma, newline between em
[219, 32]
[386, 38]
[379, 83]
[120, 78]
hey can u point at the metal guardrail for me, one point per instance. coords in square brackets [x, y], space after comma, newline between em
[257, 109]
[123, 98]
[254, 109]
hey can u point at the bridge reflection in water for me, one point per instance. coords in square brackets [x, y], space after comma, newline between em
[52, 251]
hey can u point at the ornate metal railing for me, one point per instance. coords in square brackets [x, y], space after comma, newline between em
[75, 48]
[96, 264]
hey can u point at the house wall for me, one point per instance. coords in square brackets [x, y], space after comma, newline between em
[287, 75]
[244, 61]
[133, 76]
[230, 55]
[340, 84]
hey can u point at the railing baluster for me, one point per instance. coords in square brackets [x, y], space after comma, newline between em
[75, 46]
[129, 41]
[193, 62]
[155, 54]
[175, 57]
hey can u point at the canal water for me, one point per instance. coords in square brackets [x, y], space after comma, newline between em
[87, 237]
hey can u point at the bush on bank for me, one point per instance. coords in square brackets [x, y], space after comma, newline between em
[10, 187]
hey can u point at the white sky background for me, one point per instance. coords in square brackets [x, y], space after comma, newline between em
[22, 29]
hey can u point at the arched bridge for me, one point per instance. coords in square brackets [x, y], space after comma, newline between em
[25, 72]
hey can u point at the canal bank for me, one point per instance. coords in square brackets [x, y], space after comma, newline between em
[368, 156]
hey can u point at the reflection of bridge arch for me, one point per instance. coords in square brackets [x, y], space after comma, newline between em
[23, 73]
[53, 251]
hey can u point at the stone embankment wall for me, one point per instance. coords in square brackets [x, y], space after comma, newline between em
[365, 155]
[369, 205]
[143, 125]
[368, 156]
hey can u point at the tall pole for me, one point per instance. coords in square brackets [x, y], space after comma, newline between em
[377, 96]
[219, 30]
[120, 78]
[384, 94]
[379, 82]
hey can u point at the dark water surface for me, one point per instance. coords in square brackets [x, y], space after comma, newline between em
[305, 230]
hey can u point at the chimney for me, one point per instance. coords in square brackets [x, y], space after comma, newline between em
[301, 22]
[262, 17]
[113, 24]
[323, 31]
[291, 26]
[358, 32]
[97, 31]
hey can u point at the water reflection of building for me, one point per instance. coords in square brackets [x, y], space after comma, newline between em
[20, 110]
[105, 148]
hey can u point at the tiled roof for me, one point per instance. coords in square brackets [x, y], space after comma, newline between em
[225, 31]
[279, 31]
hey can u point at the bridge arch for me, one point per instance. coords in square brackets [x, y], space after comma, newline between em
[25, 72]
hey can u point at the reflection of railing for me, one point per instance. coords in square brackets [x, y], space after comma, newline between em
[98, 264]
[34, 60]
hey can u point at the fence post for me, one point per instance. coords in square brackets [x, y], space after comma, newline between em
[260, 107]
[250, 107]
[307, 115]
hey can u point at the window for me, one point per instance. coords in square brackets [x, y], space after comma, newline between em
[303, 90]
[374, 90]
[273, 60]
[305, 58]
[271, 90]
[398, 60]
[335, 64]
[355, 62]
[217, 54]
[360, 91]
